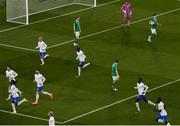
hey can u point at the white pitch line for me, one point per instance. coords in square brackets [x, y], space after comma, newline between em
[29, 116]
[96, 33]
[16, 47]
[113, 28]
[62, 15]
[120, 101]
[88, 113]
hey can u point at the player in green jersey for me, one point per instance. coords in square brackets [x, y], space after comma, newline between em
[77, 30]
[115, 75]
[153, 23]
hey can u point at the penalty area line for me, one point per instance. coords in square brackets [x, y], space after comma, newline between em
[93, 111]
[89, 35]
[113, 28]
[17, 47]
[118, 102]
[29, 116]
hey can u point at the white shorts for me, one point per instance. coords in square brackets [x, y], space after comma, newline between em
[77, 34]
[115, 78]
[153, 31]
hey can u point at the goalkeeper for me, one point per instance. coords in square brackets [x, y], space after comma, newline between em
[77, 30]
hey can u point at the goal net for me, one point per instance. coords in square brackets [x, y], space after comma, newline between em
[18, 11]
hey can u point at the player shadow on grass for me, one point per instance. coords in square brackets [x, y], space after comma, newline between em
[154, 50]
[126, 36]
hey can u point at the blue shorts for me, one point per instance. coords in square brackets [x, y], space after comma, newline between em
[15, 100]
[142, 97]
[81, 64]
[39, 89]
[42, 54]
[164, 118]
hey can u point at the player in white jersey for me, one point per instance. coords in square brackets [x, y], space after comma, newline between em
[42, 46]
[10, 75]
[142, 89]
[15, 96]
[81, 57]
[40, 79]
[162, 114]
[51, 119]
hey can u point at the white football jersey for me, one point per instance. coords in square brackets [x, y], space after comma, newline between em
[39, 79]
[51, 121]
[11, 75]
[142, 88]
[42, 46]
[161, 107]
[81, 56]
[14, 91]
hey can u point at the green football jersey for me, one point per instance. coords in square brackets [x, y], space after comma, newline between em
[114, 69]
[77, 26]
[154, 21]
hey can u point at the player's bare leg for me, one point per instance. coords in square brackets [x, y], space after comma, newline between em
[47, 55]
[37, 99]
[14, 108]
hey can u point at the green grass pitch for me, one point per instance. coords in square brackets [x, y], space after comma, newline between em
[157, 63]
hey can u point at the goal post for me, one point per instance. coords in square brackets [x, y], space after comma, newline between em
[19, 11]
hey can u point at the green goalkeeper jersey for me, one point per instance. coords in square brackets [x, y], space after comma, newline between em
[77, 26]
[114, 69]
[154, 21]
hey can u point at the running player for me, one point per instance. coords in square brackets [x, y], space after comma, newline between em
[10, 75]
[15, 96]
[162, 114]
[51, 119]
[153, 23]
[115, 75]
[127, 11]
[42, 46]
[77, 30]
[81, 57]
[40, 79]
[142, 89]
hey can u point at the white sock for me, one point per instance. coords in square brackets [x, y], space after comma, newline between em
[13, 107]
[151, 103]
[37, 97]
[46, 55]
[79, 71]
[160, 121]
[75, 44]
[42, 61]
[46, 93]
[168, 124]
[21, 101]
[138, 107]
[85, 65]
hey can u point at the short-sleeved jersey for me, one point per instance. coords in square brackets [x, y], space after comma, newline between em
[153, 22]
[14, 91]
[162, 109]
[11, 75]
[81, 56]
[51, 121]
[114, 69]
[76, 26]
[42, 46]
[39, 79]
[141, 87]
